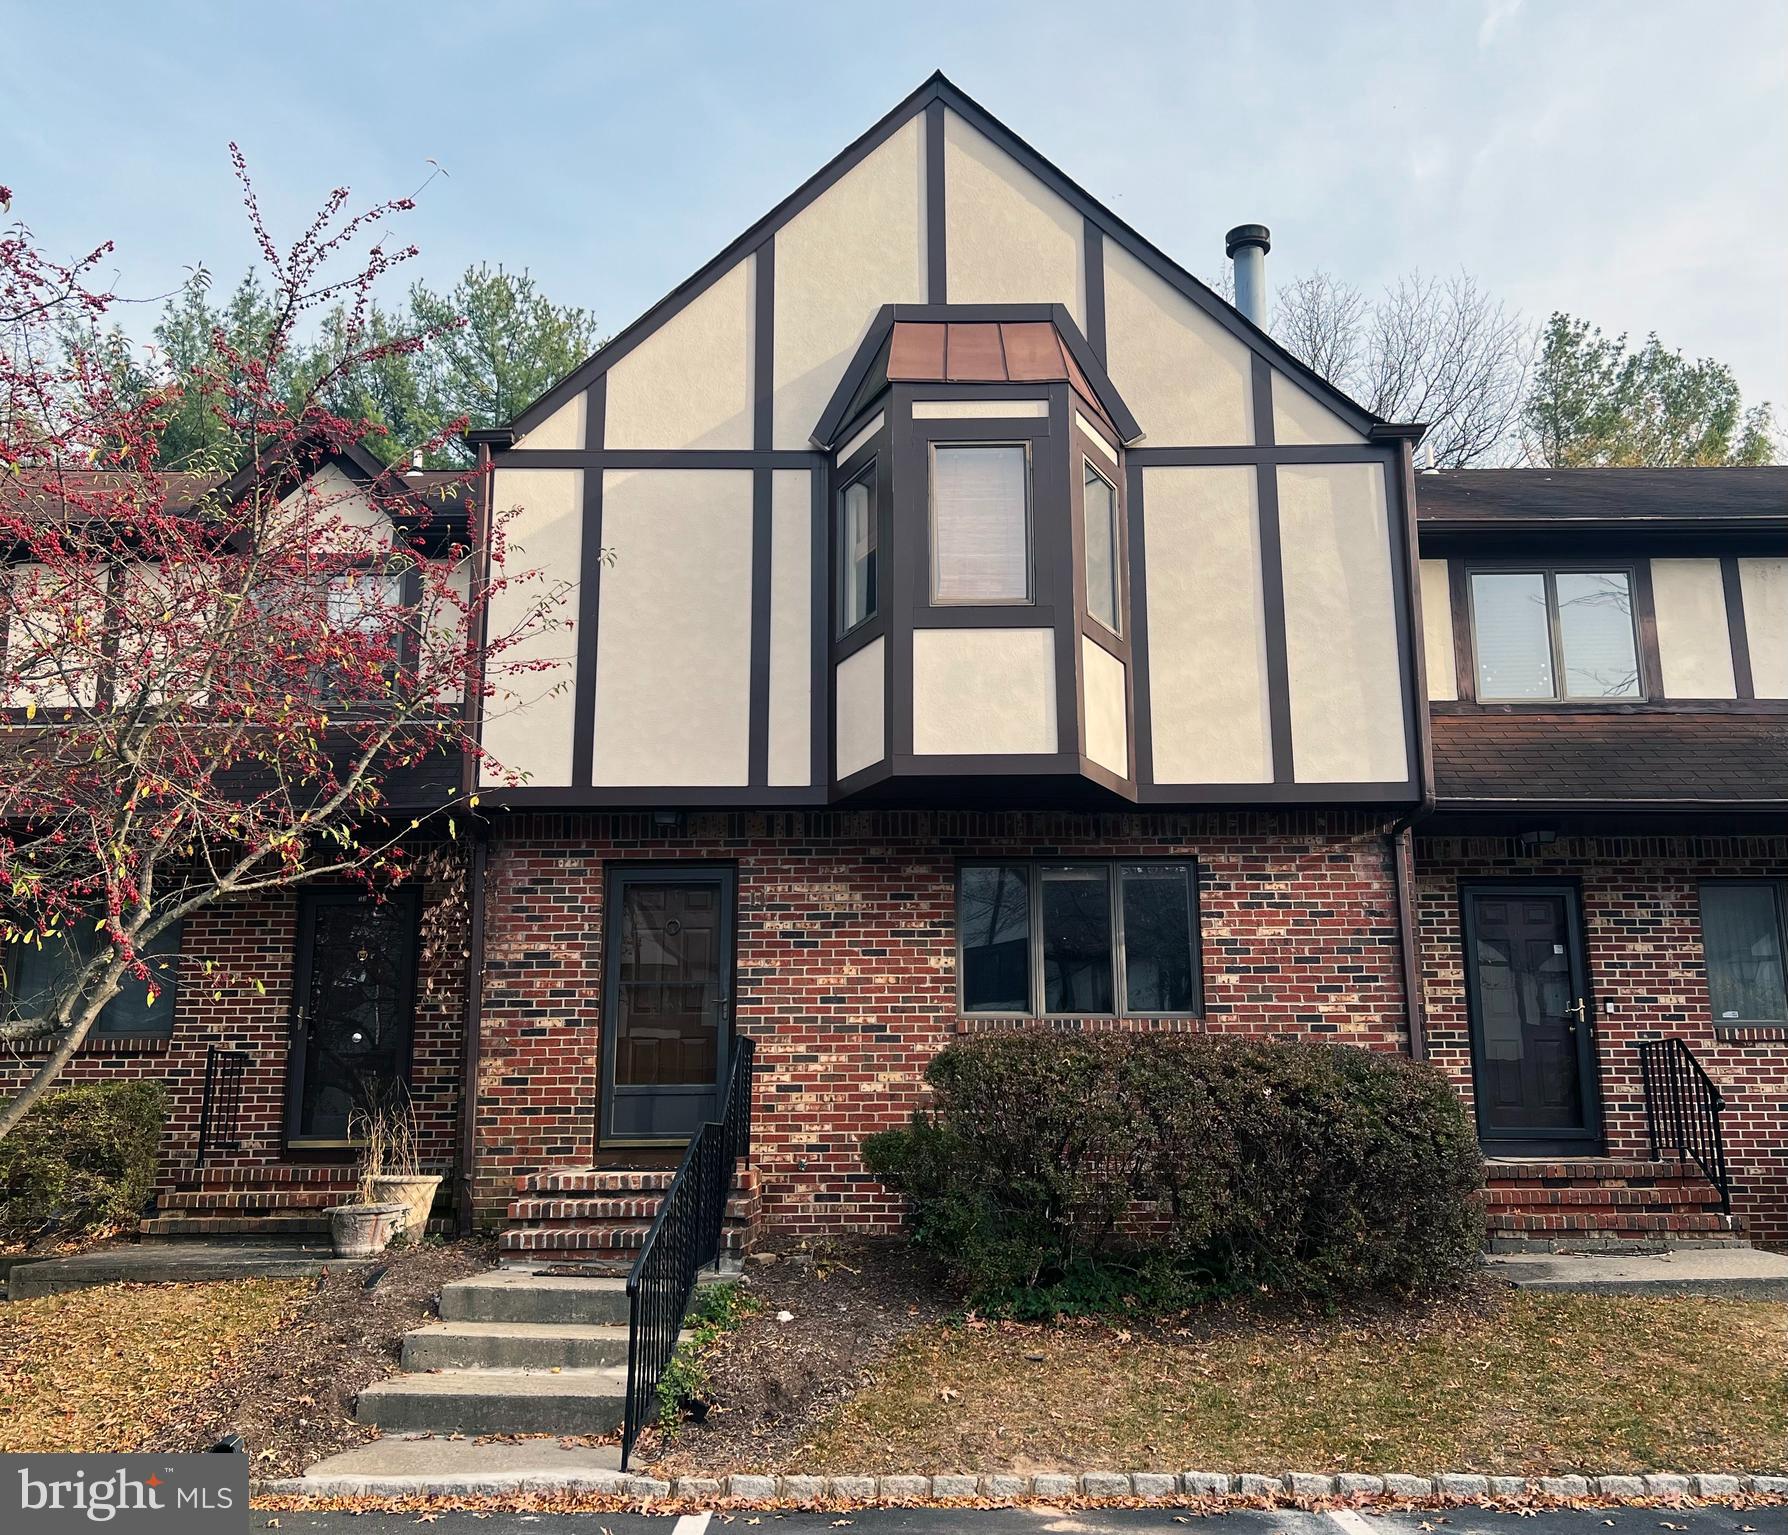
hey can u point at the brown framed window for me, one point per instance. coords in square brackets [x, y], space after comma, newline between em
[980, 523]
[1100, 516]
[1542, 634]
[1066, 938]
[1742, 941]
[38, 973]
[859, 559]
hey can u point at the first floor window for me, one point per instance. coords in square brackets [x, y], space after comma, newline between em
[1741, 934]
[1081, 938]
[39, 974]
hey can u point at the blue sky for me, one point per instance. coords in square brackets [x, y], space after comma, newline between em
[1622, 159]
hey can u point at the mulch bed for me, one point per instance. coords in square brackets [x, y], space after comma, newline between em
[771, 1382]
[291, 1395]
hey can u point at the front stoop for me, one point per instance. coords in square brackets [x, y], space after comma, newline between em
[1602, 1204]
[600, 1216]
[272, 1203]
[514, 1353]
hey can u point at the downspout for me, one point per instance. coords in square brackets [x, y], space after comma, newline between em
[471, 1038]
[1399, 837]
[472, 1024]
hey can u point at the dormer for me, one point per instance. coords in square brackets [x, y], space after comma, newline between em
[979, 602]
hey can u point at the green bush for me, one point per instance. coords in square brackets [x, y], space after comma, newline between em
[82, 1160]
[1093, 1172]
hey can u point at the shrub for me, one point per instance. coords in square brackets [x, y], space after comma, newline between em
[82, 1160]
[1085, 1172]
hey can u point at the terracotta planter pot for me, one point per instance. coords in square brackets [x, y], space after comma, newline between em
[365, 1231]
[417, 1195]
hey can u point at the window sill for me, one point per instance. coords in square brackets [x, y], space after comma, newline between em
[1749, 1033]
[991, 1023]
[109, 1044]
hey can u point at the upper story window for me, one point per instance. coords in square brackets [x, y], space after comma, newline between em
[1101, 513]
[980, 523]
[1075, 939]
[1564, 634]
[859, 574]
[1742, 938]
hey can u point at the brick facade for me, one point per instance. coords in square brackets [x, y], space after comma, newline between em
[846, 966]
[1642, 933]
[248, 944]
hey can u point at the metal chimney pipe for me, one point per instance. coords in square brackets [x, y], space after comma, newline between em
[1247, 245]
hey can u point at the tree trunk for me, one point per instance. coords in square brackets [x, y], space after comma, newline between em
[47, 1073]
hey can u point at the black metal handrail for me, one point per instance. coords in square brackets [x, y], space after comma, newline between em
[1682, 1111]
[683, 1238]
[220, 1113]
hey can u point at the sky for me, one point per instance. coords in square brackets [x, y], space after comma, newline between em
[1623, 160]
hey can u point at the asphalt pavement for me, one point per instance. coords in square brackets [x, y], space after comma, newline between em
[1713, 1520]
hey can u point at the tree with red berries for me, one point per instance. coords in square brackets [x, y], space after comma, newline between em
[212, 681]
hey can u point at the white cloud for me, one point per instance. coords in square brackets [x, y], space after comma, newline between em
[1497, 15]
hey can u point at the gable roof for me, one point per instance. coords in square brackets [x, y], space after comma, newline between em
[939, 89]
[1585, 498]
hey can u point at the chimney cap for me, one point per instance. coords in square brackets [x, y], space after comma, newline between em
[1247, 234]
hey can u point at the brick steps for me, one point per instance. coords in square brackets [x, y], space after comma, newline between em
[298, 1223]
[237, 1200]
[600, 1216]
[1601, 1204]
[270, 1174]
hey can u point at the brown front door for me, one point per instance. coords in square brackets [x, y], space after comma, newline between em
[1527, 990]
[667, 1000]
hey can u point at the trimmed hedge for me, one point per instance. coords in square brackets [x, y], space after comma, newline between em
[1052, 1166]
[82, 1160]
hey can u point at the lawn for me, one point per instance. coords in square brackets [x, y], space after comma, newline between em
[1511, 1383]
[93, 1369]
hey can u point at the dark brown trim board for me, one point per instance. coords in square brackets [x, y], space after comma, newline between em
[589, 584]
[758, 724]
[1733, 587]
[1464, 650]
[1093, 246]
[937, 244]
[763, 349]
[1272, 608]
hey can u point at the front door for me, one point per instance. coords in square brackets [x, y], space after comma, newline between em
[667, 1001]
[353, 1010]
[1527, 990]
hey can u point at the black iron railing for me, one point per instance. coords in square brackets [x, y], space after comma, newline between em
[1682, 1111]
[220, 1114]
[684, 1237]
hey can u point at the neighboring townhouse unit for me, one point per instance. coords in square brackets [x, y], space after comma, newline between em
[980, 624]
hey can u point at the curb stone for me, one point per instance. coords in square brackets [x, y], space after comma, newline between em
[1152, 1486]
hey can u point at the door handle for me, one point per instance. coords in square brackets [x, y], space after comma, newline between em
[1576, 1010]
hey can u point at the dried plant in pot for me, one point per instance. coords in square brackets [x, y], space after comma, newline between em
[395, 1194]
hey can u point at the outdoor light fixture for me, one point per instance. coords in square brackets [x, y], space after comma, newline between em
[1530, 840]
[667, 821]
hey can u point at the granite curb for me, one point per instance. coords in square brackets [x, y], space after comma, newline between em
[1006, 1487]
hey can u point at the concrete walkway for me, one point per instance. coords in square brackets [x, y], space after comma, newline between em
[1744, 1272]
[443, 1466]
[186, 1262]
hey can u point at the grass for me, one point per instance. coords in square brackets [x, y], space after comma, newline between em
[94, 1370]
[1515, 1384]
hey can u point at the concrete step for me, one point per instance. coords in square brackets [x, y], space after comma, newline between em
[175, 1263]
[1738, 1271]
[518, 1295]
[430, 1467]
[515, 1346]
[583, 1402]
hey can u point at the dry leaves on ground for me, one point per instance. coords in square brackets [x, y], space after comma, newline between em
[87, 1370]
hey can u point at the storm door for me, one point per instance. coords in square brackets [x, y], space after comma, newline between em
[1527, 989]
[667, 1000]
[354, 1010]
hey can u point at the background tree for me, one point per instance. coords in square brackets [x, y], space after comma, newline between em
[1595, 402]
[208, 699]
[1426, 349]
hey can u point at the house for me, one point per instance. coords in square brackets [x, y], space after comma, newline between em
[980, 624]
